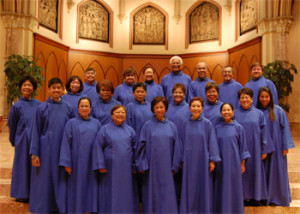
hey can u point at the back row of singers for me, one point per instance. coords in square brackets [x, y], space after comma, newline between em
[47, 181]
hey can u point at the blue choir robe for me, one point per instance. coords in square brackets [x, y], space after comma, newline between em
[114, 150]
[169, 80]
[49, 181]
[276, 164]
[228, 92]
[212, 112]
[158, 153]
[123, 93]
[101, 110]
[138, 114]
[254, 179]
[153, 90]
[228, 186]
[255, 85]
[197, 88]
[200, 147]
[73, 99]
[76, 152]
[178, 113]
[90, 91]
[20, 122]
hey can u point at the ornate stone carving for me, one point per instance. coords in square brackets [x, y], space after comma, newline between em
[49, 14]
[248, 15]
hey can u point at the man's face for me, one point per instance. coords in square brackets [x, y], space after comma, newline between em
[201, 70]
[257, 72]
[227, 74]
[90, 76]
[176, 66]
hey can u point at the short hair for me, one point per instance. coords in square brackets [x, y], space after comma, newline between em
[85, 98]
[256, 64]
[228, 66]
[128, 71]
[247, 91]
[270, 106]
[231, 106]
[54, 81]
[176, 57]
[197, 99]
[116, 107]
[139, 84]
[147, 68]
[157, 100]
[90, 69]
[68, 83]
[178, 85]
[210, 85]
[30, 79]
[104, 83]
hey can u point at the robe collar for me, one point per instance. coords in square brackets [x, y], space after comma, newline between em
[228, 83]
[70, 93]
[149, 82]
[24, 99]
[80, 118]
[249, 109]
[211, 104]
[181, 104]
[159, 121]
[202, 80]
[114, 124]
[125, 84]
[198, 119]
[179, 74]
[52, 101]
[138, 103]
[234, 122]
[102, 101]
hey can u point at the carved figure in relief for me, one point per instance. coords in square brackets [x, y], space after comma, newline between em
[48, 13]
[248, 15]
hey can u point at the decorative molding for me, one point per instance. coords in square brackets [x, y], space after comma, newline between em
[279, 25]
[15, 20]
[244, 45]
[70, 5]
[122, 16]
[177, 6]
[50, 42]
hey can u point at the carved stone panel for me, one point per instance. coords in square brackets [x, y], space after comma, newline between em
[248, 13]
[93, 21]
[48, 14]
[204, 23]
[149, 26]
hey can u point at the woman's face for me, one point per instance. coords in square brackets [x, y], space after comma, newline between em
[84, 108]
[129, 79]
[27, 89]
[75, 86]
[149, 74]
[159, 111]
[246, 101]
[178, 95]
[212, 95]
[140, 94]
[227, 113]
[119, 116]
[196, 109]
[264, 99]
[105, 93]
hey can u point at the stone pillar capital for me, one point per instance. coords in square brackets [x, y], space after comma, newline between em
[14, 20]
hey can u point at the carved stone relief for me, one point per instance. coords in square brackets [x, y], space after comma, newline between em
[247, 15]
[49, 14]
[149, 26]
[94, 21]
[204, 22]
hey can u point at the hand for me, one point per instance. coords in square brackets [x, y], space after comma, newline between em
[134, 172]
[284, 152]
[243, 167]
[212, 166]
[174, 172]
[143, 171]
[68, 170]
[263, 156]
[35, 160]
[103, 170]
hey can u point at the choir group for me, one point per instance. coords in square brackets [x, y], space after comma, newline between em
[181, 146]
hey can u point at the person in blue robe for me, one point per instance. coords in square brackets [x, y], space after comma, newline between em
[229, 89]
[103, 104]
[123, 92]
[201, 152]
[276, 163]
[228, 185]
[158, 157]
[48, 180]
[113, 157]
[254, 123]
[89, 87]
[212, 105]
[175, 76]
[197, 87]
[258, 81]
[76, 157]
[20, 122]
[74, 88]
[153, 89]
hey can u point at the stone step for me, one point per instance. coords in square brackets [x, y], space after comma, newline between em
[9, 205]
[293, 209]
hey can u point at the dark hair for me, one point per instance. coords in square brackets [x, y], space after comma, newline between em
[157, 100]
[128, 71]
[90, 69]
[231, 106]
[116, 107]
[68, 83]
[54, 81]
[210, 85]
[30, 79]
[147, 68]
[104, 83]
[178, 85]
[139, 84]
[257, 64]
[270, 106]
[197, 99]
[247, 91]
[84, 98]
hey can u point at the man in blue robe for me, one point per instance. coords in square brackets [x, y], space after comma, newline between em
[175, 76]
[153, 89]
[48, 180]
[89, 87]
[197, 87]
[228, 92]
